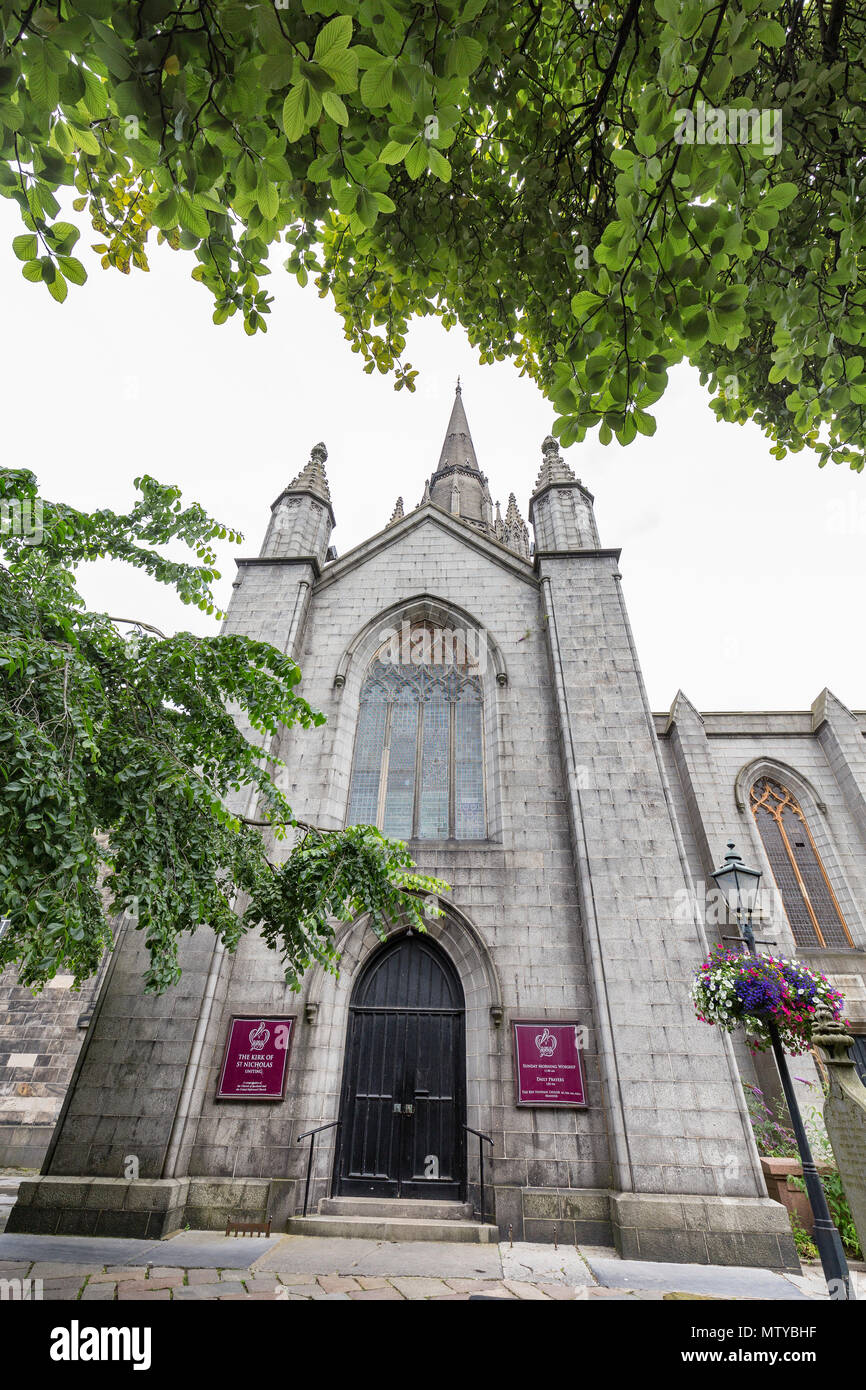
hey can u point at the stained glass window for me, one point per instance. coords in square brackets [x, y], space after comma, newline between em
[810, 903]
[419, 755]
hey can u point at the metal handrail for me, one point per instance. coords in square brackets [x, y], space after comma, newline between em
[479, 1136]
[311, 1135]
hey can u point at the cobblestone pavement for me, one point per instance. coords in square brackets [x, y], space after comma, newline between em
[91, 1284]
[295, 1269]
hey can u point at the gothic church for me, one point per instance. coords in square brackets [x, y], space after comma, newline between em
[485, 703]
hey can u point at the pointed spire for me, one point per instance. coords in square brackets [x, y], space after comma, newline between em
[458, 449]
[498, 525]
[397, 514]
[554, 468]
[516, 530]
[512, 515]
[426, 498]
[312, 477]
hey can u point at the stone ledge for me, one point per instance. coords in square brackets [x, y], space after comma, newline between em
[703, 1230]
[146, 1207]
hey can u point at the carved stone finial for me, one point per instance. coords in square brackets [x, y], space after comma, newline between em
[319, 452]
[554, 468]
[831, 1035]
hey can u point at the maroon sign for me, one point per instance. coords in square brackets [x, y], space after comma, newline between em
[256, 1059]
[547, 1068]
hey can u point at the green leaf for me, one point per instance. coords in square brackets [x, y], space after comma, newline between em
[438, 164]
[335, 107]
[191, 218]
[771, 33]
[696, 328]
[416, 160]
[336, 35]
[165, 213]
[72, 269]
[583, 302]
[466, 53]
[341, 64]
[645, 422]
[84, 139]
[780, 195]
[392, 153]
[293, 113]
[267, 197]
[25, 247]
[377, 83]
[57, 288]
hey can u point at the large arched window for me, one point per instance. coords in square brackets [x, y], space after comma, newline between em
[810, 903]
[419, 755]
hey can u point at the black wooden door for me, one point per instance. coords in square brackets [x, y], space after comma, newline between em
[403, 1100]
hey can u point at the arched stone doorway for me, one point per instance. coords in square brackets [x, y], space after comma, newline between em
[403, 1098]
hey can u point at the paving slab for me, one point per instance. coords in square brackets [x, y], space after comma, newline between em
[207, 1250]
[78, 1250]
[719, 1281]
[324, 1255]
[532, 1263]
[420, 1286]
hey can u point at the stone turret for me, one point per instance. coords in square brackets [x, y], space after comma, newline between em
[302, 517]
[560, 509]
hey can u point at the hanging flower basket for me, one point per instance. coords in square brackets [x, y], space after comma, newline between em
[733, 987]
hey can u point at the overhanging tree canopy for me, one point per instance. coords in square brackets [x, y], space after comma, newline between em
[573, 182]
[119, 762]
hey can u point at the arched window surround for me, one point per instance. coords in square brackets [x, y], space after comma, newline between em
[351, 672]
[818, 821]
[418, 764]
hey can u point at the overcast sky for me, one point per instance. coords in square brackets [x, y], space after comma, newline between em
[744, 576]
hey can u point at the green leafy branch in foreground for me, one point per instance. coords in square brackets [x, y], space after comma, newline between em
[122, 770]
[596, 191]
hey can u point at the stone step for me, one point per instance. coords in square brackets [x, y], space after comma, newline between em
[395, 1208]
[391, 1228]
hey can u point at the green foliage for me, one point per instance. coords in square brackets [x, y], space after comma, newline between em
[775, 1139]
[839, 1210]
[806, 1247]
[525, 168]
[122, 771]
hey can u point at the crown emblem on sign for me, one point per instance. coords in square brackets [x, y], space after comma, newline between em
[258, 1037]
[546, 1043]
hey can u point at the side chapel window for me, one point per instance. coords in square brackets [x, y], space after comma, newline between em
[810, 903]
[419, 755]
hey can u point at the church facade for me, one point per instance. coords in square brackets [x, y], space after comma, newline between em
[485, 703]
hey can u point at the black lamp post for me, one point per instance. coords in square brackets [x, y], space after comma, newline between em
[741, 887]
